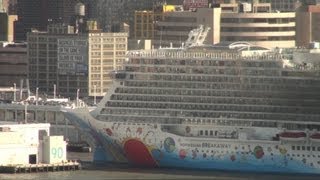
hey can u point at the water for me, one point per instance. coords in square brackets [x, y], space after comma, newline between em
[120, 172]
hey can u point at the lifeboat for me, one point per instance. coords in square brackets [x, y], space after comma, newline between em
[315, 137]
[293, 136]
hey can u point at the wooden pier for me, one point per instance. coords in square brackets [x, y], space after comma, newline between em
[30, 168]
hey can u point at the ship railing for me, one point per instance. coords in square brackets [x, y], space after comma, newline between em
[198, 55]
[205, 121]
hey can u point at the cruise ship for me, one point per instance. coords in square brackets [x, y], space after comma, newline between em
[234, 107]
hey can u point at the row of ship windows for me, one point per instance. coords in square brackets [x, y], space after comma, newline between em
[172, 118]
[207, 78]
[305, 148]
[247, 104]
[162, 120]
[265, 87]
[225, 93]
[217, 121]
[213, 121]
[227, 152]
[193, 112]
[232, 79]
[232, 134]
[196, 70]
[207, 62]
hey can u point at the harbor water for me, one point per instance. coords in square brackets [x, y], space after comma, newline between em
[91, 171]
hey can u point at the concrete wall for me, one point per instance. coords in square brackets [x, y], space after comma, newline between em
[16, 154]
[54, 149]
[18, 142]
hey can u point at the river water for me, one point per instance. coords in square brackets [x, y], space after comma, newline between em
[92, 172]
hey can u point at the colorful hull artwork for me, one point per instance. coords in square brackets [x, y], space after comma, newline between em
[149, 145]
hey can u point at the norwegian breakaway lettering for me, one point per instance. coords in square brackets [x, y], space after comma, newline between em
[209, 145]
[190, 145]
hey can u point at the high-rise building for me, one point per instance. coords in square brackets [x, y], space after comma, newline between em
[13, 59]
[284, 5]
[191, 4]
[176, 25]
[308, 25]
[61, 11]
[7, 26]
[2, 8]
[45, 56]
[74, 61]
[106, 53]
[144, 23]
[254, 22]
[37, 14]
[112, 13]
[31, 14]
[8, 6]
[257, 24]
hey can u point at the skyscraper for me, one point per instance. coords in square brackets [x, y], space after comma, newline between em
[37, 14]
[112, 13]
[8, 6]
[31, 14]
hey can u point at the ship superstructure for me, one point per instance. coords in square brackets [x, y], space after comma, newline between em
[230, 107]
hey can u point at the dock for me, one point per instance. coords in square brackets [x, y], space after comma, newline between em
[31, 168]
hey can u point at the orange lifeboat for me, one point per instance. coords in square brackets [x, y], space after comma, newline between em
[293, 136]
[315, 137]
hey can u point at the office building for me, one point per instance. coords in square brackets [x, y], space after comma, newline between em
[14, 64]
[7, 26]
[176, 25]
[45, 56]
[308, 25]
[74, 61]
[106, 53]
[285, 5]
[259, 25]
[112, 13]
[144, 25]
[38, 14]
[255, 23]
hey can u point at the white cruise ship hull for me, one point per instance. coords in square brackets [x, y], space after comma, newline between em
[149, 145]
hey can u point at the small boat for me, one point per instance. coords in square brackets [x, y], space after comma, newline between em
[293, 136]
[78, 147]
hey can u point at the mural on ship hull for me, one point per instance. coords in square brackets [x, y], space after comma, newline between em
[146, 147]
[172, 152]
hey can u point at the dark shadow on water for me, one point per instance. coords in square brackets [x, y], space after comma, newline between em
[203, 174]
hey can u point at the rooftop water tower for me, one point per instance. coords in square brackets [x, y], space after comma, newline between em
[79, 9]
[79, 13]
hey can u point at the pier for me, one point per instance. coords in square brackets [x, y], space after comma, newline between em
[21, 114]
[31, 168]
